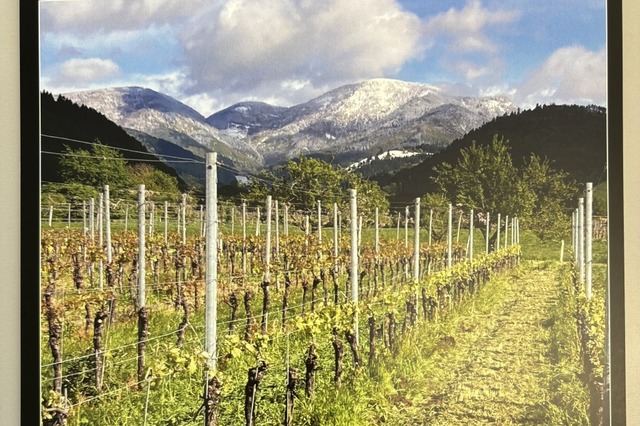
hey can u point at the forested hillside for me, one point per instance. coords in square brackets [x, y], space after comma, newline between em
[573, 137]
[64, 119]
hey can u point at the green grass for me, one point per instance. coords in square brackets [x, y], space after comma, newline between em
[569, 398]
[534, 248]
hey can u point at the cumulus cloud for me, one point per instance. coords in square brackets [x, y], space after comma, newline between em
[242, 49]
[570, 75]
[245, 45]
[85, 71]
[211, 54]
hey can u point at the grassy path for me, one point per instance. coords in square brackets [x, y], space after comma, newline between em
[498, 368]
[505, 379]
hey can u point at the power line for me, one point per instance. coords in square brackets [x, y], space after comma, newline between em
[154, 154]
[281, 185]
[62, 154]
[180, 160]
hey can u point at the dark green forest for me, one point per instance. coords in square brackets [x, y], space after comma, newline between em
[67, 125]
[572, 137]
[62, 118]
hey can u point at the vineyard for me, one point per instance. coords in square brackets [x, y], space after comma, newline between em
[298, 318]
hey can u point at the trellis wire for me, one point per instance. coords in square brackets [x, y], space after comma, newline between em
[356, 229]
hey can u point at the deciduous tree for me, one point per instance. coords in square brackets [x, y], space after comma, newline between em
[552, 196]
[304, 181]
[485, 179]
[161, 186]
[102, 165]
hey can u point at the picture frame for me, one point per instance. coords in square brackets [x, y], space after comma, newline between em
[624, 358]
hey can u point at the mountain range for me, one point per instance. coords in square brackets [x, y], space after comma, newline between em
[358, 120]
[158, 119]
[347, 124]
[391, 131]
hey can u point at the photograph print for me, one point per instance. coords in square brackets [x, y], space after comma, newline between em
[357, 212]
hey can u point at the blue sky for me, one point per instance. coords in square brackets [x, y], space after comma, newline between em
[211, 54]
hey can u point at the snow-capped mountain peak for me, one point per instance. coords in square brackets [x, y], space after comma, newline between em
[163, 117]
[117, 103]
[375, 115]
[359, 116]
[246, 118]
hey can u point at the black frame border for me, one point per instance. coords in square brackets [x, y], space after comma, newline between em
[29, 205]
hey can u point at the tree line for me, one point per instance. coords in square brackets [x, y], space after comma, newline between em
[484, 179]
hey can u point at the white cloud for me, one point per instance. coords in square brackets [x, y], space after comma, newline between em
[465, 29]
[474, 43]
[86, 71]
[242, 49]
[246, 45]
[203, 103]
[470, 70]
[289, 92]
[106, 41]
[171, 83]
[168, 83]
[466, 41]
[498, 90]
[570, 75]
[288, 51]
